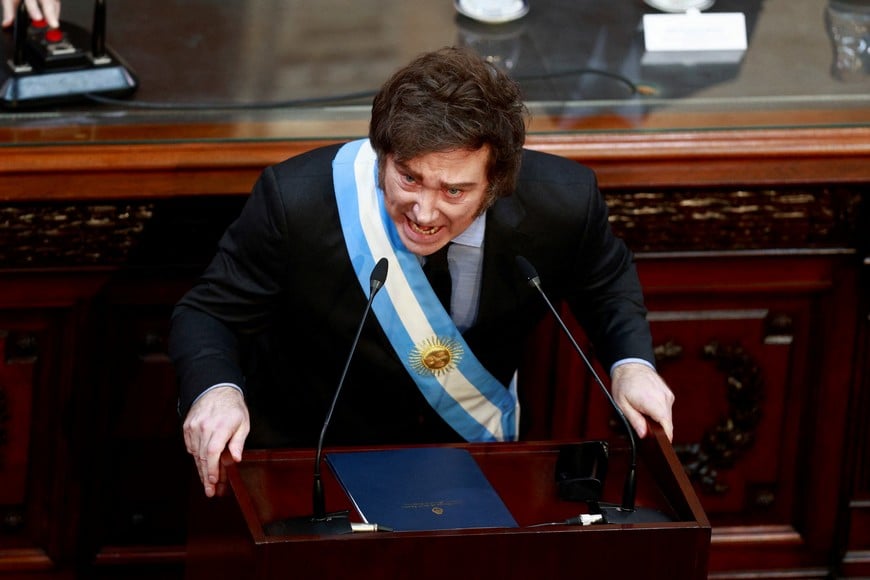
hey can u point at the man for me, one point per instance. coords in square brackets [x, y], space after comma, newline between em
[260, 342]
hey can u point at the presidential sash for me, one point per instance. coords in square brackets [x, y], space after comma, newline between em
[421, 332]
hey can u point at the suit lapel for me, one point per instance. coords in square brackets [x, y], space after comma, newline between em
[501, 286]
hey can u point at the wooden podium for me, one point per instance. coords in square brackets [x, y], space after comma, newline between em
[227, 537]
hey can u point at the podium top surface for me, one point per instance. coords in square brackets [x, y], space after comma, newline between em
[276, 484]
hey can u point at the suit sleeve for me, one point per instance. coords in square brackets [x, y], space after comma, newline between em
[608, 299]
[237, 295]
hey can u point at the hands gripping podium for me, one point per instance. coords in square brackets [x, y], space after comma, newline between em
[228, 536]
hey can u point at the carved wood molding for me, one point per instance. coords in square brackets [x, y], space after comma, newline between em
[724, 443]
[736, 219]
[70, 234]
[78, 233]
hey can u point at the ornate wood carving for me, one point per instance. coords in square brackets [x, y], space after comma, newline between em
[75, 234]
[69, 234]
[724, 443]
[735, 219]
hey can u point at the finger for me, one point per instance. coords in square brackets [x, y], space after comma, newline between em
[221, 485]
[237, 443]
[197, 447]
[200, 455]
[637, 421]
[202, 470]
[215, 446]
[668, 428]
[661, 413]
[34, 10]
[192, 442]
[634, 417]
[8, 12]
[51, 12]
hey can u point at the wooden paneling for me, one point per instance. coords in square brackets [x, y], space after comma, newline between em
[749, 248]
[45, 354]
[855, 519]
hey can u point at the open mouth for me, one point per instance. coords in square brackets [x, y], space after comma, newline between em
[426, 231]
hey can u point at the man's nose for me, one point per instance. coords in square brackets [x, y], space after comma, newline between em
[426, 208]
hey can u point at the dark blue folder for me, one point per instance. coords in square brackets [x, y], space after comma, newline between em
[420, 488]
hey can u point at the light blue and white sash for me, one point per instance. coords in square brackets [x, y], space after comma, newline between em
[422, 333]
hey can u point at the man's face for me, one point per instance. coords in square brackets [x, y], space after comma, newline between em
[435, 197]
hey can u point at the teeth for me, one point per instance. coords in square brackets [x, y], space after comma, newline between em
[427, 231]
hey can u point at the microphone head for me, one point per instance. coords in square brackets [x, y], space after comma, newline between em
[379, 274]
[528, 271]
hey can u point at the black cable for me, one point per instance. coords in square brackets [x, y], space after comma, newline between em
[346, 98]
[632, 87]
[309, 102]
[580, 520]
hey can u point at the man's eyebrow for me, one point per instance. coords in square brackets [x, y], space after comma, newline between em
[459, 185]
[404, 168]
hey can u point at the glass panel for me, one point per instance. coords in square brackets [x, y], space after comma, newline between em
[288, 69]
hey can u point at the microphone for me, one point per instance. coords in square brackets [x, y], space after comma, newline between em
[626, 512]
[321, 522]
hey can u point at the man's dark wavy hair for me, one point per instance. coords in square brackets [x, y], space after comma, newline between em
[452, 99]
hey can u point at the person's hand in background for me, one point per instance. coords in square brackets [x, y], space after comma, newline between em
[48, 10]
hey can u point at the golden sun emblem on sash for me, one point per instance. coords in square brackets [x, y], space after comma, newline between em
[435, 356]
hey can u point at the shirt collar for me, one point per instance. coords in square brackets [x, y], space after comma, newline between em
[473, 234]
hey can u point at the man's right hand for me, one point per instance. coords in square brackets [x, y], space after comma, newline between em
[217, 420]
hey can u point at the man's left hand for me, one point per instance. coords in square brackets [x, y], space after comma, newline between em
[640, 392]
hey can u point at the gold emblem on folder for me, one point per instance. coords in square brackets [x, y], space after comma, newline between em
[435, 356]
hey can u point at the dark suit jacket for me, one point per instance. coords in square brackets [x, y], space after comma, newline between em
[276, 310]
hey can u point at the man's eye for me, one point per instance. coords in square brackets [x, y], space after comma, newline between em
[454, 192]
[407, 178]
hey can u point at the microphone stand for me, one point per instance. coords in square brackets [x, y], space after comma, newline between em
[320, 522]
[626, 512]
